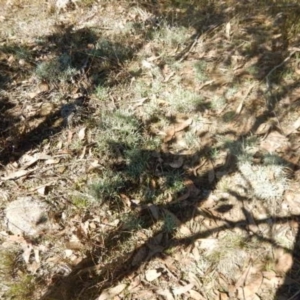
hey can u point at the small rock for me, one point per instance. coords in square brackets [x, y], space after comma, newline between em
[26, 216]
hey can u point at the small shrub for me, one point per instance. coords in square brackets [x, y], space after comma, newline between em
[119, 129]
[56, 70]
[267, 182]
[101, 93]
[14, 285]
[201, 71]
[217, 102]
[108, 186]
[23, 288]
[183, 101]
[170, 37]
[136, 162]
[106, 48]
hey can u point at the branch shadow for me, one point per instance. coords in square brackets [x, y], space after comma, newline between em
[91, 276]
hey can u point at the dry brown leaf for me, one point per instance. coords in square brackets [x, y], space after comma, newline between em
[269, 274]
[241, 281]
[42, 190]
[249, 291]
[52, 161]
[231, 291]
[33, 267]
[264, 128]
[165, 293]
[70, 136]
[68, 253]
[184, 230]
[171, 130]
[241, 105]
[152, 275]
[168, 77]
[148, 65]
[223, 296]
[135, 285]
[284, 261]
[252, 287]
[296, 124]
[125, 200]
[292, 197]
[196, 254]
[32, 95]
[143, 294]
[272, 280]
[112, 292]
[274, 141]
[74, 243]
[81, 133]
[94, 165]
[83, 229]
[139, 102]
[59, 145]
[83, 152]
[27, 248]
[17, 174]
[44, 87]
[195, 295]
[192, 189]
[182, 289]
[29, 160]
[210, 202]
[42, 156]
[46, 109]
[228, 30]
[12, 239]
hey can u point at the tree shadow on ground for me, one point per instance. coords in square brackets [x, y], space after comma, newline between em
[89, 278]
[64, 69]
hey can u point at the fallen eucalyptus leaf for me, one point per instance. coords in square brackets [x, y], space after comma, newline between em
[81, 133]
[17, 174]
[195, 295]
[152, 275]
[171, 130]
[112, 292]
[182, 289]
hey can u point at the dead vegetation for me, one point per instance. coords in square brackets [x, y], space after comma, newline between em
[163, 141]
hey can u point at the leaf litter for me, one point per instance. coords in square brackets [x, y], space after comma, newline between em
[183, 212]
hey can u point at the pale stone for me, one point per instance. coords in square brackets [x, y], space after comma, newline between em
[26, 216]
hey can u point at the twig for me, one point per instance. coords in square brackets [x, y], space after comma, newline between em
[280, 65]
[294, 50]
[190, 48]
[240, 107]
[183, 54]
